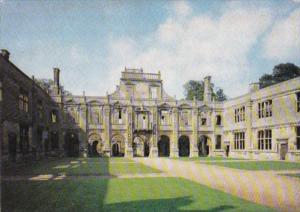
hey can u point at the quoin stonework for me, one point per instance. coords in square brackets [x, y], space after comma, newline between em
[141, 119]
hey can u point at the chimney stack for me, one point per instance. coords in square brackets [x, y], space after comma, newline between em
[56, 72]
[5, 54]
[207, 89]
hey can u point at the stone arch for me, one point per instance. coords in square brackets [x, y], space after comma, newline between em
[139, 146]
[204, 145]
[184, 146]
[117, 145]
[164, 146]
[95, 145]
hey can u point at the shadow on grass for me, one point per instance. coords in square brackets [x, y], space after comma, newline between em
[174, 204]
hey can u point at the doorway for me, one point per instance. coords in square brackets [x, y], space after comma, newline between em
[283, 151]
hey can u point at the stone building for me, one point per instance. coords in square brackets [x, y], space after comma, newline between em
[140, 119]
[29, 117]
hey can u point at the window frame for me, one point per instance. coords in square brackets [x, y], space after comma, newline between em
[264, 139]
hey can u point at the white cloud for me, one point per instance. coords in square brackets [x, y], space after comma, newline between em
[284, 40]
[193, 47]
[182, 8]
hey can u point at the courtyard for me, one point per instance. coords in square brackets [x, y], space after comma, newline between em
[120, 184]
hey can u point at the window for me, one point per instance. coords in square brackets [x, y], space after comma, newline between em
[203, 121]
[265, 139]
[153, 92]
[53, 116]
[120, 116]
[218, 141]
[185, 117]
[239, 140]
[298, 137]
[265, 109]
[239, 114]
[218, 120]
[40, 110]
[298, 102]
[144, 122]
[23, 101]
[95, 117]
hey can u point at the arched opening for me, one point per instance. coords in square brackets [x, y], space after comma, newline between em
[94, 152]
[203, 147]
[95, 145]
[164, 146]
[118, 146]
[184, 146]
[146, 149]
[72, 144]
[140, 147]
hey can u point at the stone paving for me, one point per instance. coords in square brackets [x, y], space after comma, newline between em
[262, 187]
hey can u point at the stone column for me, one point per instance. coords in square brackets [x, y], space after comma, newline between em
[153, 147]
[194, 152]
[129, 135]
[174, 139]
[107, 130]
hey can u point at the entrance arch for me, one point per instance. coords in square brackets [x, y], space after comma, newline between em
[71, 144]
[117, 146]
[203, 147]
[164, 146]
[95, 145]
[184, 146]
[140, 146]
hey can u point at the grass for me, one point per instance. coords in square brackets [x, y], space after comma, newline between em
[293, 175]
[217, 158]
[259, 165]
[151, 194]
[78, 166]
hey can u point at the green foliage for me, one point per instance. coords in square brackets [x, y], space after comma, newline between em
[44, 83]
[194, 88]
[281, 72]
[220, 95]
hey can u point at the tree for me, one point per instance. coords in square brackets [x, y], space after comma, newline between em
[220, 96]
[281, 72]
[46, 84]
[195, 89]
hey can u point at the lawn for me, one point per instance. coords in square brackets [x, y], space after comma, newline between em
[293, 175]
[78, 166]
[259, 165]
[94, 194]
[216, 158]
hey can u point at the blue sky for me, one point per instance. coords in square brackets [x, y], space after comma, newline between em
[92, 41]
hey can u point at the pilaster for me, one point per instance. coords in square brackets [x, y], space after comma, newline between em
[107, 130]
[129, 135]
[174, 141]
[153, 147]
[194, 150]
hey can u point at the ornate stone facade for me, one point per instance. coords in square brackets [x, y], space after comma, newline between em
[141, 119]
